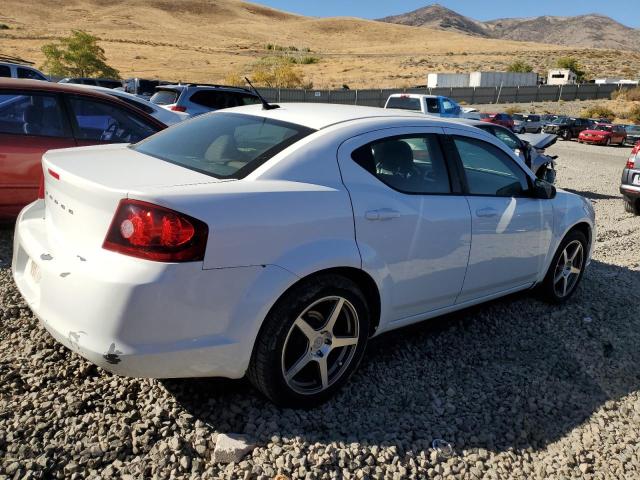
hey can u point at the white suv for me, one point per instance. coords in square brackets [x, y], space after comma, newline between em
[198, 99]
[17, 70]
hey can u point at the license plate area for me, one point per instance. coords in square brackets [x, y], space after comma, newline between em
[636, 179]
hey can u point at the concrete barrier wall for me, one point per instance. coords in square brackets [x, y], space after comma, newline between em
[465, 95]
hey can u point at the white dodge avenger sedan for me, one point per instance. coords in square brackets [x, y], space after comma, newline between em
[273, 243]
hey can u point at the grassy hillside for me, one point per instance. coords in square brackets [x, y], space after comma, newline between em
[204, 40]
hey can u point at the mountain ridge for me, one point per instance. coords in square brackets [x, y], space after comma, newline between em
[592, 30]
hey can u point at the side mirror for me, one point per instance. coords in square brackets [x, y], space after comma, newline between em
[543, 190]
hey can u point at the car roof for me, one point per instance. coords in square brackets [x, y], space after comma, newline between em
[116, 93]
[204, 86]
[21, 84]
[322, 115]
[415, 95]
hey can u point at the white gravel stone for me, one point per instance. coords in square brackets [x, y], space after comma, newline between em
[231, 448]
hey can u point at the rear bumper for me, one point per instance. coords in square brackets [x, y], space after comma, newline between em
[630, 191]
[139, 318]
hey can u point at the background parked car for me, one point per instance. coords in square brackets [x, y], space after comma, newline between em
[503, 119]
[633, 134]
[38, 116]
[156, 111]
[567, 127]
[530, 150]
[630, 183]
[18, 70]
[196, 99]
[428, 104]
[142, 87]
[604, 134]
[100, 82]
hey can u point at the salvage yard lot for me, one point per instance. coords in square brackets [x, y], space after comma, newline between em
[519, 388]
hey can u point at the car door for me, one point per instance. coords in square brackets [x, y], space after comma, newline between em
[95, 121]
[511, 230]
[30, 124]
[412, 224]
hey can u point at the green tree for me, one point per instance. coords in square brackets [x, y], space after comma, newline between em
[572, 64]
[520, 66]
[77, 55]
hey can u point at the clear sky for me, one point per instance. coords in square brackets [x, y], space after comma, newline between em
[626, 12]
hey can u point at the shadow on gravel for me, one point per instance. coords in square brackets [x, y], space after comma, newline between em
[514, 373]
[593, 195]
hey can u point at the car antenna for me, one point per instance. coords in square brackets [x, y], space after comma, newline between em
[265, 105]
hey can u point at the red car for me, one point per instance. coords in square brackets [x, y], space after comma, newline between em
[39, 116]
[604, 134]
[503, 119]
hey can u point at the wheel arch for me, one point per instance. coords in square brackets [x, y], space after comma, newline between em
[361, 278]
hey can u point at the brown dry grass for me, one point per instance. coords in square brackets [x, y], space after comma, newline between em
[205, 40]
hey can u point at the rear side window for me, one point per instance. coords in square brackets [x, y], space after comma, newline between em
[31, 114]
[30, 74]
[247, 99]
[433, 105]
[5, 71]
[489, 170]
[165, 97]
[223, 145]
[404, 103]
[412, 164]
[102, 122]
[217, 100]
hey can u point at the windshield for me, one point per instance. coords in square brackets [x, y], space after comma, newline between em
[517, 116]
[633, 129]
[606, 128]
[223, 145]
[560, 121]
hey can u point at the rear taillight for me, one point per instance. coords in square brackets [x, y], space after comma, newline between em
[178, 108]
[631, 162]
[41, 188]
[143, 230]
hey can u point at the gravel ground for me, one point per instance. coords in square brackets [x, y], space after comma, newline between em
[519, 388]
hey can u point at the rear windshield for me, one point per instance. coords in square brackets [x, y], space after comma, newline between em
[223, 145]
[404, 103]
[517, 116]
[165, 97]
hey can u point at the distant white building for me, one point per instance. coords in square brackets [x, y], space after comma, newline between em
[561, 76]
[615, 81]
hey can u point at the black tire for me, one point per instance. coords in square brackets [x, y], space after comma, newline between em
[268, 361]
[632, 205]
[548, 288]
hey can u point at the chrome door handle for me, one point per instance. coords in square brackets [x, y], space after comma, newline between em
[382, 214]
[487, 212]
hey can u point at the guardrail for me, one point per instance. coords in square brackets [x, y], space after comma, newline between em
[468, 95]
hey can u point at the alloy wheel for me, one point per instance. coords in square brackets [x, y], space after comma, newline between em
[568, 269]
[320, 345]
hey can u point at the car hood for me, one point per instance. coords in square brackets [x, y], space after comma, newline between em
[596, 132]
[539, 140]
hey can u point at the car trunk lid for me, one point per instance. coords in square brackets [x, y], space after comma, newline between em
[83, 187]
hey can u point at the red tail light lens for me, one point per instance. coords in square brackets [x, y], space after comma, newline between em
[630, 162]
[144, 230]
[178, 108]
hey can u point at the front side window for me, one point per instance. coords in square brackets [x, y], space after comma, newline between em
[489, 170]
[102, 122]
[412, 164]
[31, 114]
[5, 71]
[433, 105]
[223, 145]
[448, 106]
[30, 74]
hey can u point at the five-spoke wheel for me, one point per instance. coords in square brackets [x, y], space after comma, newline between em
[311, 342]
[566, 268]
